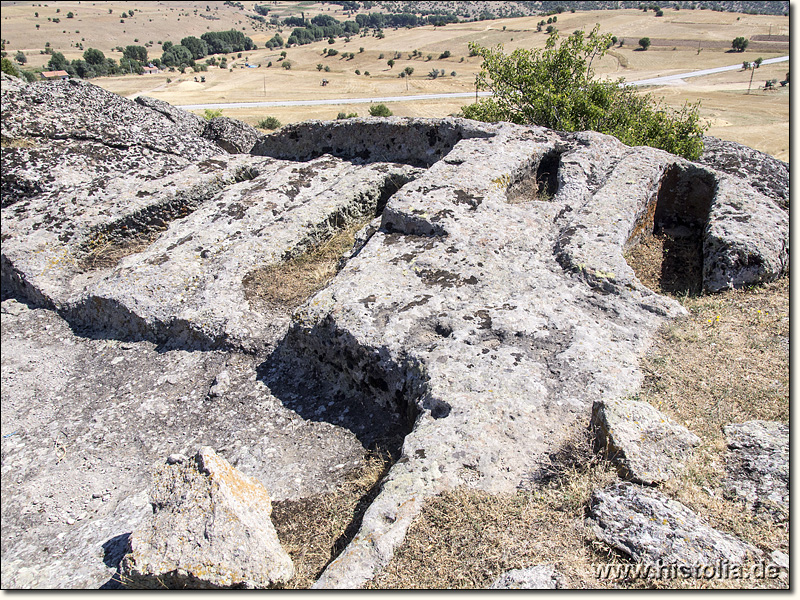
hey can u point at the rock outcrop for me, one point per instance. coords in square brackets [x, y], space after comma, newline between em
[649, 527]
[646, 445]
[757, 465]
[761, 171]
[210, 529]
[484, 307]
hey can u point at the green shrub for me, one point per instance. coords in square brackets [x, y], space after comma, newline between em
[9, 68]
[269, 123]
[554, 88]
[379, 110]
[343, 115]
[212, 113]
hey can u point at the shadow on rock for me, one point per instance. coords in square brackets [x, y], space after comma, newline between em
[346, 391]
[114, 549]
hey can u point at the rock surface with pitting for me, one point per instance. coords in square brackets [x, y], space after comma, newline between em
[210, 529]
[648, 526]
[761, 171]
[540, 577]
[646, 445]
[476, 319]
[757, 465]
[185, 120]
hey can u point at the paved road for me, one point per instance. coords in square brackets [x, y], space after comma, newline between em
[666, 78]
[333, 101]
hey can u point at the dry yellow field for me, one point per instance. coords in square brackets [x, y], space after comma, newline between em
[683, 41]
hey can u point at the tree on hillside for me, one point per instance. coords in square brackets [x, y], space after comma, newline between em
[554, 87]
[198, 47]
[94, 56]
[644, 43]
[740, 44]
[57, 62]
[21, 58]
[137, 53]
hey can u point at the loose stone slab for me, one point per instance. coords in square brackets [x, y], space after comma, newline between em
[231, 135]
[210, 528]
[757, 465]
[648, 526]
[646, 445]
[540, 577]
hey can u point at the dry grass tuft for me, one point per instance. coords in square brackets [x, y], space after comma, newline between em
[668, 265]
[9, 142]
[315, 530]
[291, 282]
[466, 538]
[106, 254]
[726, 362]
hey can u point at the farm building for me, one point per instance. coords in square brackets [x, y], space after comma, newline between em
[55, 75]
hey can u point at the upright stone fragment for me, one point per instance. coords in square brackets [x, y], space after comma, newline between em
[235, 137]
[648, 526]
[210, 529]
[758, 466]
[746, 241]
[645, 444]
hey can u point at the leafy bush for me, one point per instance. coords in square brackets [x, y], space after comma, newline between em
[9, 68]
[343, 115]
[269, 123]
[644, 43]
[212, 113]
[379, 110]
[554, 88]
[740, 44]
[445, 54]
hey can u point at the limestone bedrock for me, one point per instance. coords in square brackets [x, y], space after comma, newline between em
[482, 312]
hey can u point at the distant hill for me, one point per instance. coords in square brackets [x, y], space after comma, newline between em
[497, 9]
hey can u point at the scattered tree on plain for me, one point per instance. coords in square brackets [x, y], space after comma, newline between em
[644, 43]
[740, 44]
